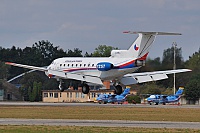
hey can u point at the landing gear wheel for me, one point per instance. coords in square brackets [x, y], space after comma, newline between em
[85, 89]
[61, 86]
[118, 89]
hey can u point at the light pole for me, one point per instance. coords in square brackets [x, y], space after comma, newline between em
[174, 45]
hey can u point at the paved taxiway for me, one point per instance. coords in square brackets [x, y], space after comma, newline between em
[101, 123]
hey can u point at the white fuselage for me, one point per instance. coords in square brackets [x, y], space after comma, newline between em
[89, 66]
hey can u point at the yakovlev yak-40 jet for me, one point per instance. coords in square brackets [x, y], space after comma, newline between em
[118, 68]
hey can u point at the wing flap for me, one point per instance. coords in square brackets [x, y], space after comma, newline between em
[135, 78]
[80, 77]
[141, 79]
[159, 76]
[159, 72]
[85, 78]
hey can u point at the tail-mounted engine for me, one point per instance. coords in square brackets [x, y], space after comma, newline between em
[139, 63]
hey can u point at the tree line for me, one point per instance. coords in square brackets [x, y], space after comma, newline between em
[42, 53]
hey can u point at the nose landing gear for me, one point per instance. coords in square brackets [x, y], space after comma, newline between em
[61, 86]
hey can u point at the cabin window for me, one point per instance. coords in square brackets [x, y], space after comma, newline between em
[68, 65]
[72, 65]
[60, 64]
[92, 65]
[88, 65]
[80, 65]
[76, 65]
[64, 64]
[84, 65]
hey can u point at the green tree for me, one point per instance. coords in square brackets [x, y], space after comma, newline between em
[152, 65]
[76, 53]
[27, 83]
[1, 85]
[45, 52]
[192, 89]
[150, 88]
[168, 63]
[136, 98]
[4, 74]
[168, 58]
[30, 95]
[103, 51]
[88, 55]
[35, 92]
[194, 62]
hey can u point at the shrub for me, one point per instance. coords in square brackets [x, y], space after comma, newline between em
[136, 98]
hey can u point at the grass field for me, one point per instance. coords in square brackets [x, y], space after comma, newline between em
[96, 113]
[101, 113]
[76, 129]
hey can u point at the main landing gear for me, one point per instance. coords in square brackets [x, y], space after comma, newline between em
[85, 88]
[118, 89]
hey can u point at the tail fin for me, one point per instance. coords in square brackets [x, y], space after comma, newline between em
[141, 46]
[126, 91]
[180, 91]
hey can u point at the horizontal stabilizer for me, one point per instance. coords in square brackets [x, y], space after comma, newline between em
[151, 33]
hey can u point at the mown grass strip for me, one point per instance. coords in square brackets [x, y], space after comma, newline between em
[77, 129]
[101, 113]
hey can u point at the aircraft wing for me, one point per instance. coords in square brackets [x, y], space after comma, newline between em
[135, 78]
[27, 66]
[81, 77]
[61, 74]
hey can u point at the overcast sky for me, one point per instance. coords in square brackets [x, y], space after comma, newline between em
[85, 24]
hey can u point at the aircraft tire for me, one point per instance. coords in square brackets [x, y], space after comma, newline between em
[61, 87]
[85, 89]
[118, 89]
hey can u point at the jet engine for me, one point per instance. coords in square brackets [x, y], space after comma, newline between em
[104, 66]
[139, 63]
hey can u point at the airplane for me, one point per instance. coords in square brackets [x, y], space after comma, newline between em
[119, 68]
[163, 99]
[113, 98]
